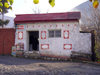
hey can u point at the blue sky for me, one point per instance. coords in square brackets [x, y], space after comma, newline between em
[27, 6]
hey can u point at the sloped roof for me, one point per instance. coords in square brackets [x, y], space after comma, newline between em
[30, 18]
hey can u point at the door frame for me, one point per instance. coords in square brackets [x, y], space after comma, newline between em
[27, 32]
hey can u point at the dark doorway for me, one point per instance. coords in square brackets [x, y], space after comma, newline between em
[93, 46]
[33, 41]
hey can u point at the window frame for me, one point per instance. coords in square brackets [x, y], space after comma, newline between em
[55, 36]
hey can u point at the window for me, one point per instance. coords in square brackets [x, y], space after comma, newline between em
[58, 33]
[51, 33]
[54, 33]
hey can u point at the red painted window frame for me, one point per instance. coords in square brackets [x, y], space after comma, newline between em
[64, 34]
[45, 48]
[41, 34]
[18, 35]
[20, 26]
[67, 48]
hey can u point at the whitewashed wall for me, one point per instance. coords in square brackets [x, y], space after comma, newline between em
[81, 42]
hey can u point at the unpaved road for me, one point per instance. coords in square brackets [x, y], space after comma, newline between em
[20, 66]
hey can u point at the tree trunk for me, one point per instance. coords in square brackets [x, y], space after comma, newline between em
[2, 19]
[2, 13]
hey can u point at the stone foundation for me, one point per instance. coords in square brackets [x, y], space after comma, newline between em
[80, 56]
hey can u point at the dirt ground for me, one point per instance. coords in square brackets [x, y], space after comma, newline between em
[21, 66]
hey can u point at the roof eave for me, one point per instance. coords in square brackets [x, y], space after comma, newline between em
[24, 22]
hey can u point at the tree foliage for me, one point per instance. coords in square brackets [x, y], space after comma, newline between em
[95, 3]
[35, 1]
[4, 22]
[51, 2]
[4, 6]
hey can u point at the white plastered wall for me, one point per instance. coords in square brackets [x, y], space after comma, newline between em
[81, 42]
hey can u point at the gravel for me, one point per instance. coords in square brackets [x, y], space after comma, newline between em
[21, 66]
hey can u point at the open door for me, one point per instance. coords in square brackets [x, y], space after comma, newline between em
[33, 41]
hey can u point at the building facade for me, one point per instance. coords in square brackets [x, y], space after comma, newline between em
[53, 34]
